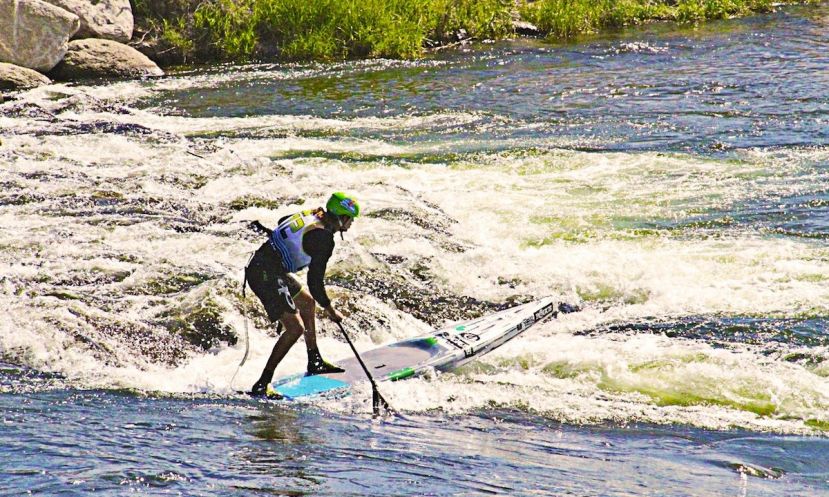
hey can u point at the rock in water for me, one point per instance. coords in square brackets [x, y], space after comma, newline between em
[33, 33]
[94, 58]
[525, 28]
[108, 19]
[14, 77]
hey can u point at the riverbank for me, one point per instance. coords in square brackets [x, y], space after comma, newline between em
[132, 38]
[195, 31]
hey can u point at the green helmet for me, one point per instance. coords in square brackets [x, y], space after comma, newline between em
[343, 205]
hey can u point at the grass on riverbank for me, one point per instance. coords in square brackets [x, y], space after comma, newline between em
[244, 30]
[325, 29]
[338, 29]
[567, 18]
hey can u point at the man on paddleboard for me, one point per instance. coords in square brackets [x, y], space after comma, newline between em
[305, 239]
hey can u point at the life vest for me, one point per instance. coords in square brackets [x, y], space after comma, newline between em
[287, 238]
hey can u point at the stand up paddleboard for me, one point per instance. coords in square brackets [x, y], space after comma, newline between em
[445, 349]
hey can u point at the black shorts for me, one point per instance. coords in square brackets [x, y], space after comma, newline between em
[268, 279]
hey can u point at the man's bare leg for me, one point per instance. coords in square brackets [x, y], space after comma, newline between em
[307, 307]
[293, 330]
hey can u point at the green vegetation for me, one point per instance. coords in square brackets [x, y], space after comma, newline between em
[757, 471]
[201, 324]
[170, 284]
[818, 424]
[320, 29]
[63, 295]
[522, 361]
[244, 202]
[568, 18]
[245, 30]
[758, 403]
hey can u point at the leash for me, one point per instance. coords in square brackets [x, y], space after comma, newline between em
[245, 357]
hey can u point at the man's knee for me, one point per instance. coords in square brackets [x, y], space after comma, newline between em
[305, 302]
[293, 326]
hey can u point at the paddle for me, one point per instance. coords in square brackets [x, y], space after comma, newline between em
[377, 399]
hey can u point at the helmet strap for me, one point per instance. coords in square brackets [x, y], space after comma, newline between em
[340, 224]
[336, 223]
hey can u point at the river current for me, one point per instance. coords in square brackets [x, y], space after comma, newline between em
[674, 182]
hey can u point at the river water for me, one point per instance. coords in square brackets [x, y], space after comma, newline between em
[672, 181]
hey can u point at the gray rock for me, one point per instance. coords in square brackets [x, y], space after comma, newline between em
[109, 19]
[33, 33]
[94, 58]
[525, 28]
[14, 77]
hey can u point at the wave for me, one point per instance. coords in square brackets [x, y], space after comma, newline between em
[123, 235]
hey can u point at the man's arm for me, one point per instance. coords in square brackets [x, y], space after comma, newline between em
[319, 244]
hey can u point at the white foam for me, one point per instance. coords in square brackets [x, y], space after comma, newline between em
[554, 222]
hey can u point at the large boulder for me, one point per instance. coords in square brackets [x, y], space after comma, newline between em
[94, 58]
[14, 77]
[33, 33]
[109, 19]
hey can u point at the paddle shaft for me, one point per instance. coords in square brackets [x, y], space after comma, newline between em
[377, 399]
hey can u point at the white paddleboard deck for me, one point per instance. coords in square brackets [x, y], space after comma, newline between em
[446, 348]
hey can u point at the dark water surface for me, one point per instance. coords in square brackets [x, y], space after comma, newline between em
[109, 443]
[758, 82]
